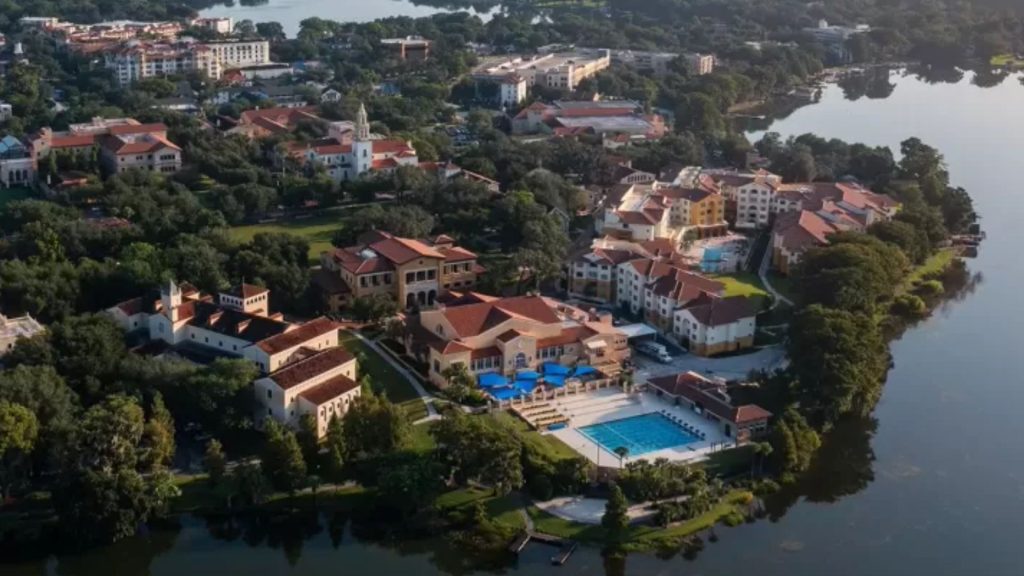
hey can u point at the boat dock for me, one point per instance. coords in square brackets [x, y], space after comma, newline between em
[565, 547]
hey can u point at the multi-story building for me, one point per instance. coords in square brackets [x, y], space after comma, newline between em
[809, 213]
[593, 276]
[83, 139]
[710, 399]
[656, 289]
[416, 273]
[303, 370]
[752, 195]
[414, 48]
[14, 329]
[699, 64]
[644, 212]
[218, 25]
[564, 70]
[134, 60]
[351, 155]
[145, 151]
[710, 326]
[505, 335]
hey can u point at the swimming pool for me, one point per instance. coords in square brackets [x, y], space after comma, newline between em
[640, 434]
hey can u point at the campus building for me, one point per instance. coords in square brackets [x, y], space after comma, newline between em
[416, 273]
[710, 399]
[619, 122]
[412, 48]
[120, 144]
[564, 70]
[348, 156]
[303, 369]
[506, 335]
[150, 151]
[135, 60]
[645, 212]
[17, 167]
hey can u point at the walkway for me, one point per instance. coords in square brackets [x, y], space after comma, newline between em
[762, 271]
[588, 510]
[409, 377]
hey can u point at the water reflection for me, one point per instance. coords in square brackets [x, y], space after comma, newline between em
[874, 83]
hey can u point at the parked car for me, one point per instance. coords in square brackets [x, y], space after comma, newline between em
[655, 351]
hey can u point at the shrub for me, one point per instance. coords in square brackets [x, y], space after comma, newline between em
[930, 288]
[908, 306]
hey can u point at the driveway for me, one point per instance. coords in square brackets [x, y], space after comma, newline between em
[730, 368]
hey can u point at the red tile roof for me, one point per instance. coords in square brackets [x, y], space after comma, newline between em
[722, 311]
[292, 338]
[472, 319]
[710, 396]
[328, 391]
[304, 370]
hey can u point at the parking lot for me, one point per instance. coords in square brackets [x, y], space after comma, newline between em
[730, 368]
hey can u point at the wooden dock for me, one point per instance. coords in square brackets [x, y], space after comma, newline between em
[565, 547]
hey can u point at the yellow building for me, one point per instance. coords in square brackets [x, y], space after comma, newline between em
[414, 272]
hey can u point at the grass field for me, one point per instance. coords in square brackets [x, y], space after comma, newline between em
[1006, 61]
[13, 194]
[741, 284]
[382, 374]
[935, 264]
[317, 230]
[503, 510]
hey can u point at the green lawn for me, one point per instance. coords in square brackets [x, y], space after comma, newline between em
[13, 194]
[741, 284]
[197, 495]
[1006, 61]
[420, 439]
[317, 230]
[547, 444]
[640, 537]
[503, 510]
[382, 374]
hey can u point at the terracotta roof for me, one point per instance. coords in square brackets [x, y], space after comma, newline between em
[302, 371]
[327, 391]
[690, 194]
[710, 396]
[391, 147]
[246, 290]
[456, 254]
[234, 323]
[124, 129]
[509, 335]
[72, 141]
[570, 335]
[484, 353]
[644, 217]
[472, 319]
[682, 286]
[722, 311]
[293, 338]
[800, 230]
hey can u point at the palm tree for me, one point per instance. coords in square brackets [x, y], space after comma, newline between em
[622, 452]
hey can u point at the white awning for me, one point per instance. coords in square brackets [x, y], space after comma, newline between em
[596, 344]
[637, 330]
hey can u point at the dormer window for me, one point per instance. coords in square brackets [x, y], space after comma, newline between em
[440, 330]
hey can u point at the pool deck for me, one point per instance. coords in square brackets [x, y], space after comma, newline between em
[613, 404]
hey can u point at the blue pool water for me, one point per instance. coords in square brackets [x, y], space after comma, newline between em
[712, 260]
[640, 434]
[712, 254]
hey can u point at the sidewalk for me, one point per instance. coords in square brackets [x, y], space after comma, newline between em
[413, 381]
[762, 272]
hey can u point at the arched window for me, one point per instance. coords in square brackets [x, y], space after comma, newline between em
[520, 361]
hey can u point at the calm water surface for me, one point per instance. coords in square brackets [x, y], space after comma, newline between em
[934, 485]
[292, 12]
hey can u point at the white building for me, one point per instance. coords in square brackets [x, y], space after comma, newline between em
[135, 59]
[218, 25]
[240, 53]
[322, 383]
[512, 90]
[6, 111]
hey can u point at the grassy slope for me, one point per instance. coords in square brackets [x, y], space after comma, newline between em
[382, 374]
[317, 230]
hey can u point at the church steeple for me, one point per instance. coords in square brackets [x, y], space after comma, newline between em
[362, 124]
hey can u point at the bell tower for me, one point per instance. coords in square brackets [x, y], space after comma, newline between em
[362, 146]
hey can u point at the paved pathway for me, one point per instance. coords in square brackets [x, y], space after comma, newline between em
[413, 381]
[588, 510]
[762, 271]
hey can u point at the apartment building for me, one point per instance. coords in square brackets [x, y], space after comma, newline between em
[416, 273]
[644, 212]
[505, 335]
[136, 60]
[240, 53]
[303, 369]
[710, 326]
[593, 275]
[810, 213]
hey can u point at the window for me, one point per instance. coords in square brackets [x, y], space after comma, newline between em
[270, 393]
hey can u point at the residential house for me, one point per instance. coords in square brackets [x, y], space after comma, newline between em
[416, 273]
[14, 329]
[505, 335]
[710, 399]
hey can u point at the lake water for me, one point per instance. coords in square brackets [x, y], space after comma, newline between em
[933, 485]
[291, 12]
